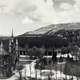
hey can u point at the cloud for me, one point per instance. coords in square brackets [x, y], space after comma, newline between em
[24, 7]
[66, 6]
[49, 15]
[27, 20]
[16, 7]
[27, 15]
[57, 3]
[7, 6]
[43, 11]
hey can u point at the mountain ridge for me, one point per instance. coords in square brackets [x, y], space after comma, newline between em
[51, 28]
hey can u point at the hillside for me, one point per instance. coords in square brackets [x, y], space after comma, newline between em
[52, 35]
[51, 29]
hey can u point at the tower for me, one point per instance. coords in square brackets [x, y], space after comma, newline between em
[17, 52]
[1, 47]
[16, 47]
[13, 50]
[9, 46]
[11, 43]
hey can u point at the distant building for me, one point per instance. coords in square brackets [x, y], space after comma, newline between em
[8, 58]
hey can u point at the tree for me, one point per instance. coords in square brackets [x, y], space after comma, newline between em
[36, 52]
[54, 56]
[75, 51]
[30, 52]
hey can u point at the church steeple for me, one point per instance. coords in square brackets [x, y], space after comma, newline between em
[11, 42]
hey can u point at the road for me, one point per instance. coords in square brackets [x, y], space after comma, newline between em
[29, 71]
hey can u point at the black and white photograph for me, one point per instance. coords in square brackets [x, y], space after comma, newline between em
[39, 39]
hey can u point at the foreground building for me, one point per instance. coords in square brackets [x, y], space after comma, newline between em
[8, 58]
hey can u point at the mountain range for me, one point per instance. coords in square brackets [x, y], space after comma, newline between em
[52, 35]
[51, 29]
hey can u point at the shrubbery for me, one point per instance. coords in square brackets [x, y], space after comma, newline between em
[72, 68]
[36, 52]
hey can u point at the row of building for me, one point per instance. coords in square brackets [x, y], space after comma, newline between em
[8, 57]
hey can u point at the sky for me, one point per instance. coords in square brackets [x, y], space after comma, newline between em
[28, 15]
